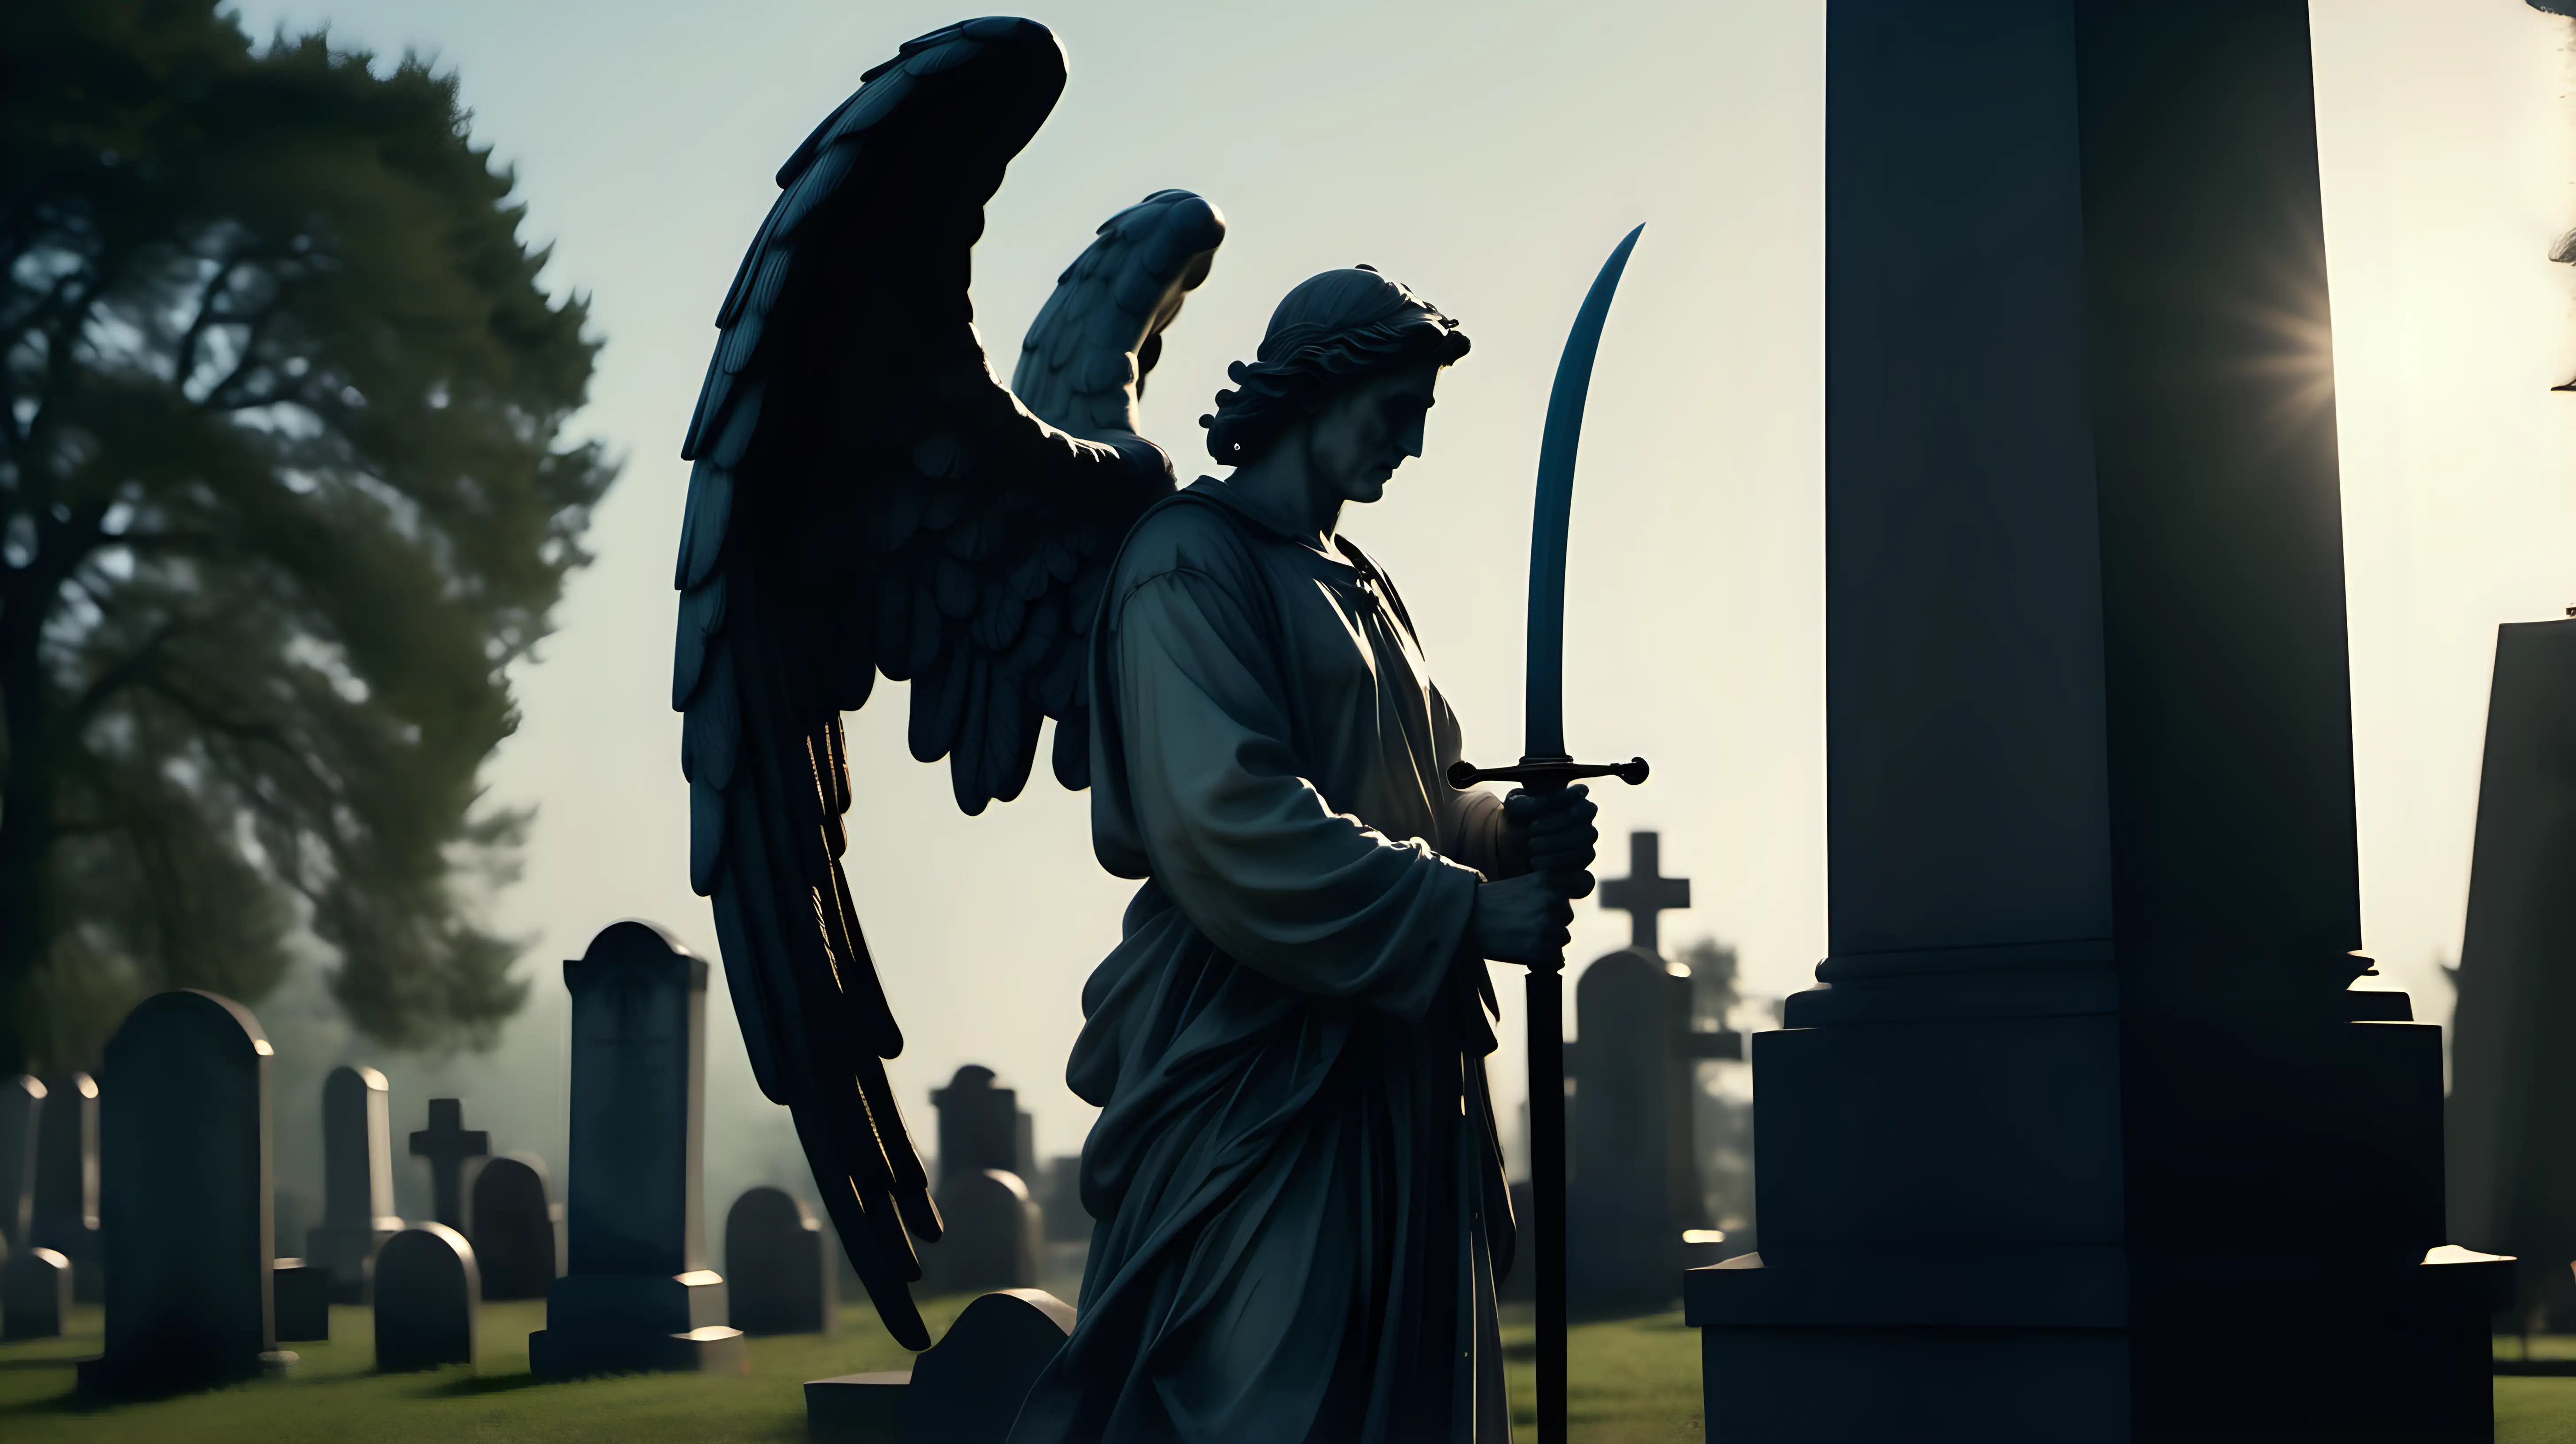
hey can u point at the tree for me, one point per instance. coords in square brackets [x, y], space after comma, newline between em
[283, 493]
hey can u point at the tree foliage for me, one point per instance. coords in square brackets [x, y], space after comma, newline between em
[283, 492]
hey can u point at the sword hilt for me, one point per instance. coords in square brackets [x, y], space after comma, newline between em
[1546, 774]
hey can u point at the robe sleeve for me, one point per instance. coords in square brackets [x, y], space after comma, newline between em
[1247, 848]
[1472, 820]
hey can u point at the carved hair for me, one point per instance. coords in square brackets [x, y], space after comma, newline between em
[1333, 332]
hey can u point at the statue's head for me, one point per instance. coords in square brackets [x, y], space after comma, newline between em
[1346, 371]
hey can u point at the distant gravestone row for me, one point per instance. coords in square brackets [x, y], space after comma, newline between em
[156, 1197]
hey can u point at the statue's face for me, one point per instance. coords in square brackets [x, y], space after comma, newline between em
[1360, 437]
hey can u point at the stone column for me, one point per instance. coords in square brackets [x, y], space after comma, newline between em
[638, 1294]
[2081, 1135]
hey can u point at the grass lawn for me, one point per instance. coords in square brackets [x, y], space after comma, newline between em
[1635, 1381]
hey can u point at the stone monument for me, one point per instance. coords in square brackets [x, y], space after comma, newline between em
[966, 1390]
[638, 1294]
[449, 1145]
[357, 1180]
[35, 1294]
[65, 1196]
[518, 1229]
[184, 1189]
[1635, 1186]
[2513, 1075]
[22, 1102]
[992, 1236]
[2084, 1107]
[427, 1300]
[779, 1271]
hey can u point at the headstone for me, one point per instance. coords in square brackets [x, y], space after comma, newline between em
[2085, 1134]
[965, 1390]
[66, 1191]
[2513, 1075]
[991, 1237]
[778, 1269]
[302, 1292]
[357, 1180]
[35, 1294]
[427, 1299]
[447, 1143]
[638, 1294]
[22, 1102]
[184, 1189]
[1067, 1221]
[1635, 1191]
[518, 1229]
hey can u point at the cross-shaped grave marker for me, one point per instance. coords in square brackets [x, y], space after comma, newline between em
[1645, 891]
[447, 1143]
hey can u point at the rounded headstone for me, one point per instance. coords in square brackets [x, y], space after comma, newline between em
[184, 1190]
[22, 1101]
[778, 1271]
[427, 1296]
[515, 1225]
[990, 1237]
[35, 1294]
[967, 1389]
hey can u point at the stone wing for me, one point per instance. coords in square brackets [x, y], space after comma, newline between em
[868, 498]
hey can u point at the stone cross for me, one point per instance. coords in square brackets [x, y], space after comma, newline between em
[66, 1190]
[446, 1143]
[22, 1102]
[185, 1188]
[639, 1295]
[357, 1179]
[1645, 892]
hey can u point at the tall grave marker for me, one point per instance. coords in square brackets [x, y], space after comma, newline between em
[65, 1202]
[2513, 1073]
[22, 1102]
[185, 1190]
[1634, 1061]
[357, 1180]
[992, 1236]
[2083, 1109]
[639, 1295]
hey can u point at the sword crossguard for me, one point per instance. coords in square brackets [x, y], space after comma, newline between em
[1546, 774]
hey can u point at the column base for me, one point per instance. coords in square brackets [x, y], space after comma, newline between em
[620, 1323]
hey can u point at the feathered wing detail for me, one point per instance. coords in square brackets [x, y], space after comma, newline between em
[868, 498]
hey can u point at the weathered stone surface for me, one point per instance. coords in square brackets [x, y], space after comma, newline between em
[184, 1188]
[779, 1270]
[518, 1229]
[427, 1299]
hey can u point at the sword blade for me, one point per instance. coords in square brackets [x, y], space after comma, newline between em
[1544, 725]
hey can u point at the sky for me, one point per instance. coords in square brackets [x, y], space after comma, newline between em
[1489, 154]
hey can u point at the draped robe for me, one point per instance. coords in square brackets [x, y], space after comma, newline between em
[1300, 1202]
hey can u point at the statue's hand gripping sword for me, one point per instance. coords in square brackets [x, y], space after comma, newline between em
[1546, 767]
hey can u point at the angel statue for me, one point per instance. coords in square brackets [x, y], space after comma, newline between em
[1295, 1173]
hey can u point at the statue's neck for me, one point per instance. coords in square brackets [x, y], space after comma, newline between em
[1285, 492]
